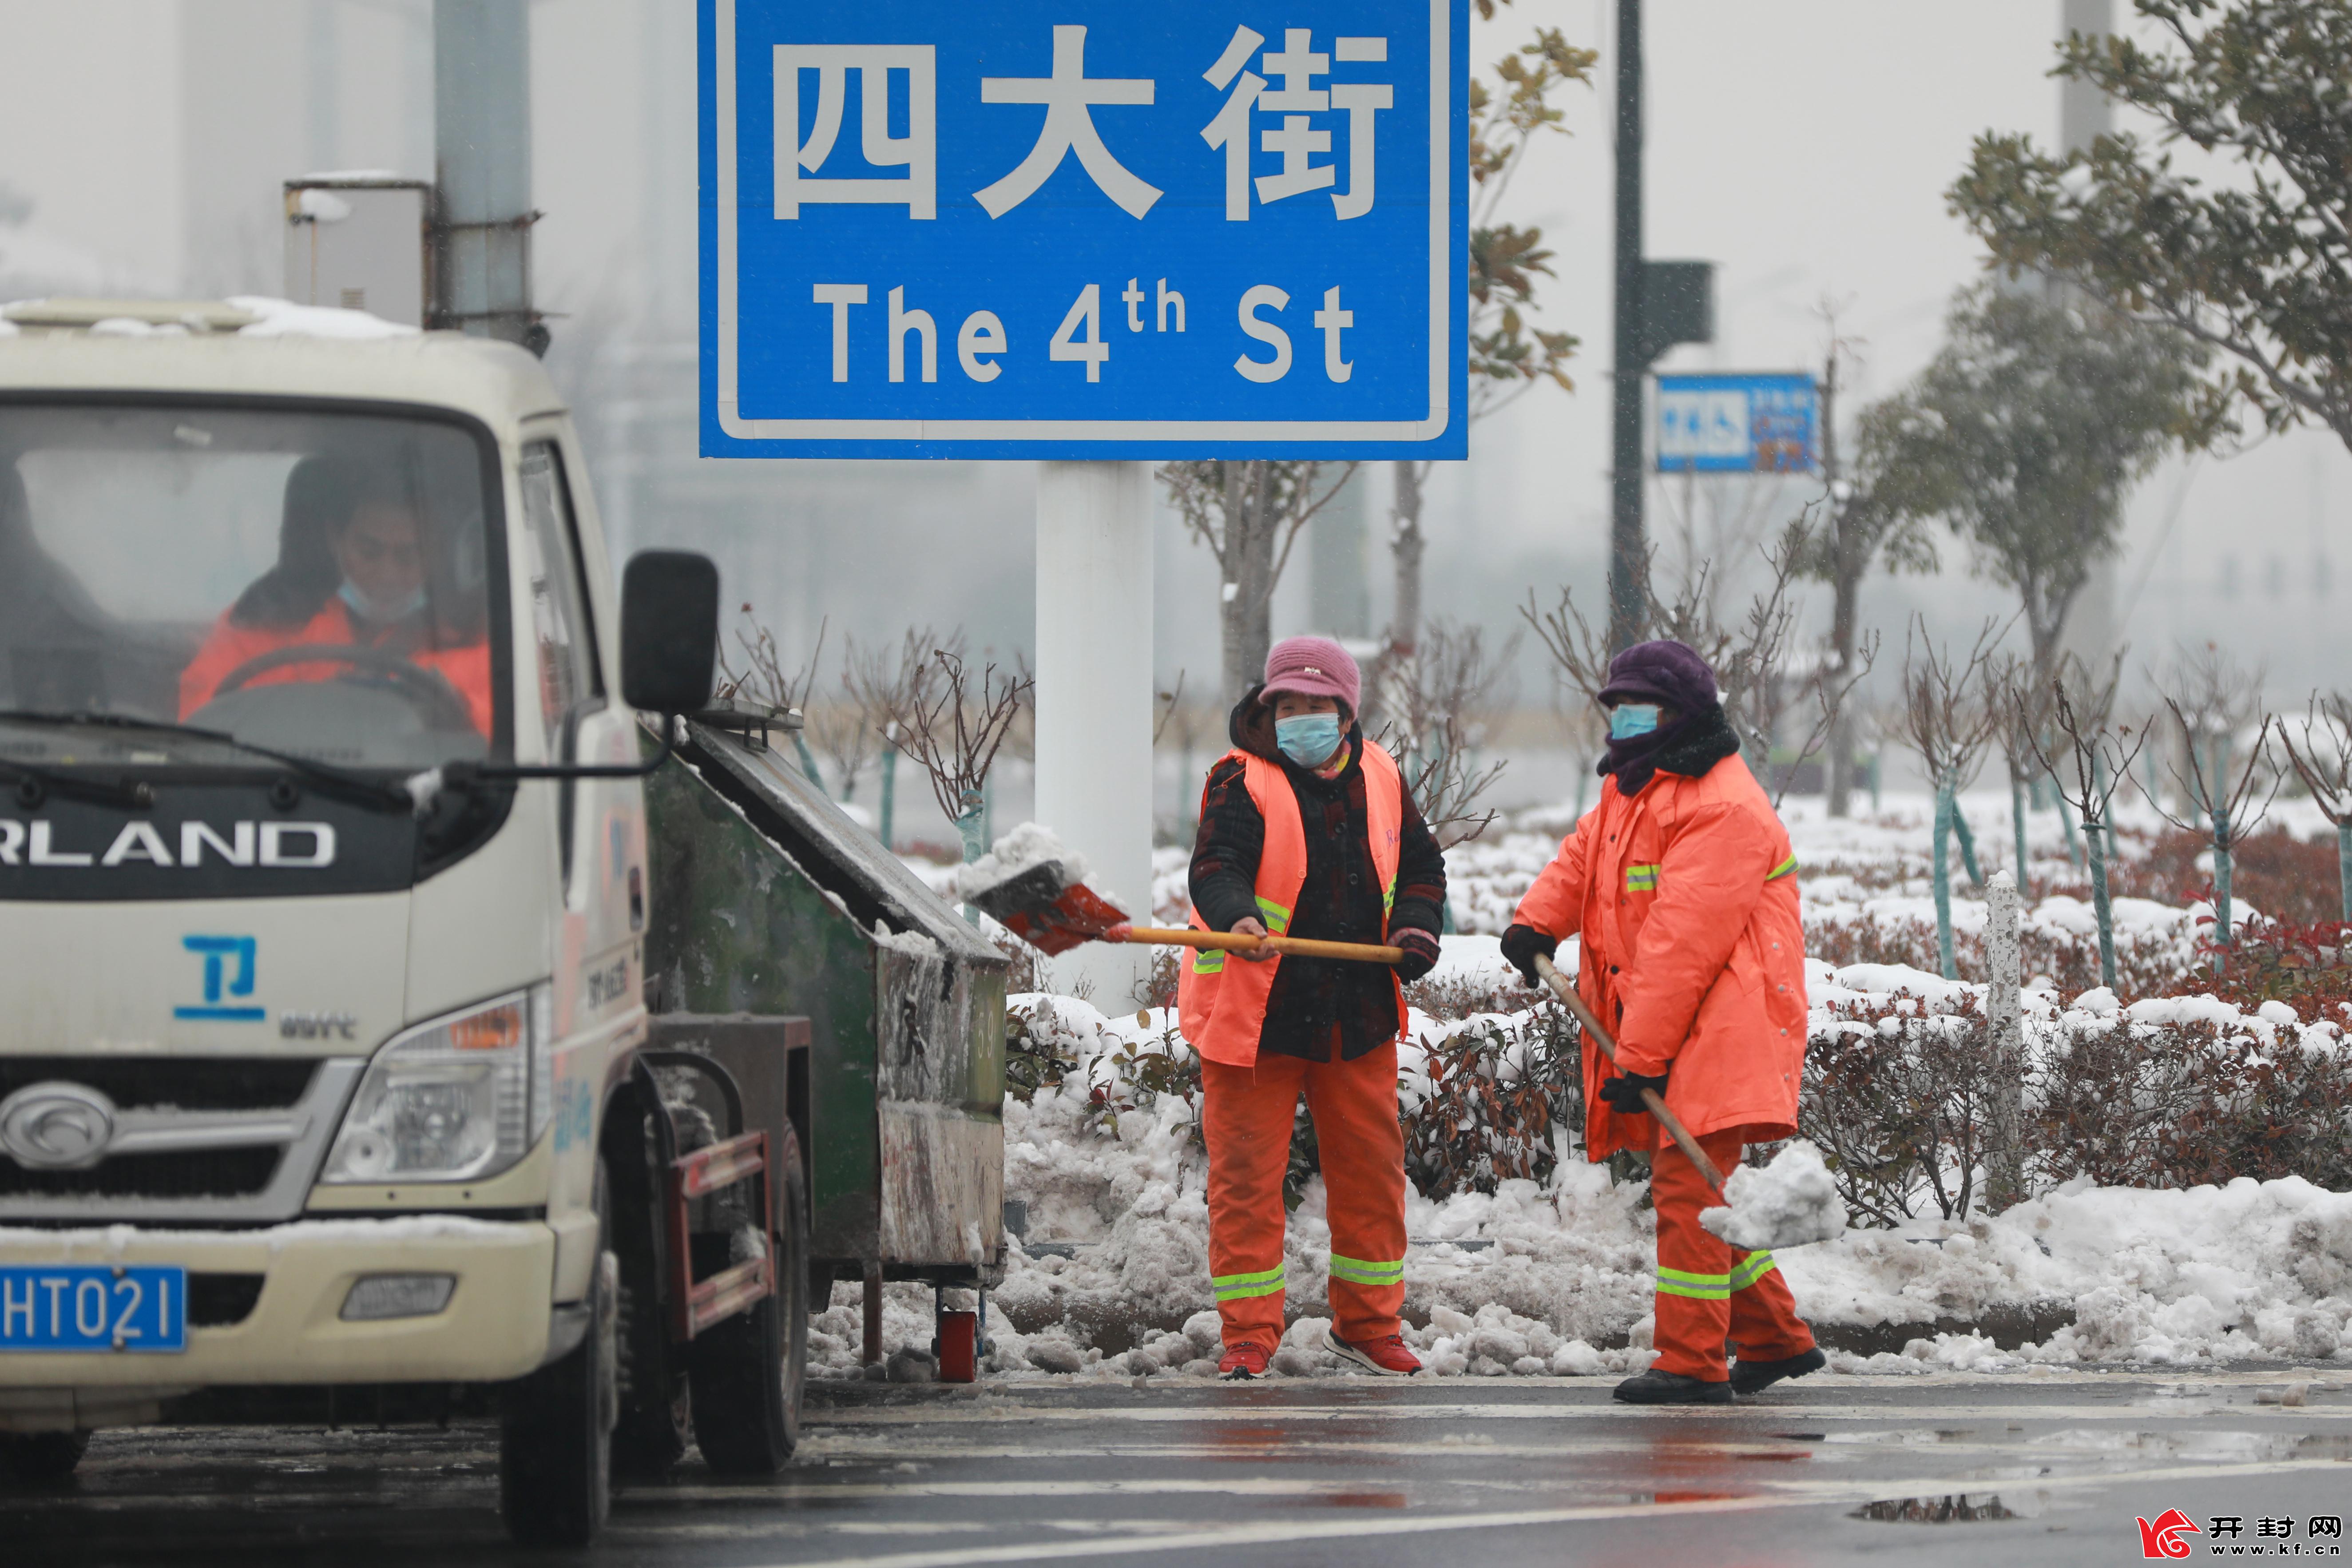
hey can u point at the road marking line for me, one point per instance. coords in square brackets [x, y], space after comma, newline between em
[1908, 1416]
[1211, 1538]
[1141, 1486]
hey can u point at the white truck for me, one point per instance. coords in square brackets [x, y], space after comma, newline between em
[323, 1090]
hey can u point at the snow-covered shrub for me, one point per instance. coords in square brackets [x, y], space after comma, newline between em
[1898, 1098]
[2150, 961]
[2183, 1102]
[2174, 1092]
[1040, 1051]
[1479, 1107]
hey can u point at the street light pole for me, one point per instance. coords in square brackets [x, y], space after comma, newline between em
[481, 134]
[1627, 565]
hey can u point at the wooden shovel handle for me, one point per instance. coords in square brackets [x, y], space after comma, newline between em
[1233, 942]
[1550, 976]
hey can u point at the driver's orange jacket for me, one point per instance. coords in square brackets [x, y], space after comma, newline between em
[465, 667]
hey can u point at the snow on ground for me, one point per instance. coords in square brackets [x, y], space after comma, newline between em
[1531, 1281]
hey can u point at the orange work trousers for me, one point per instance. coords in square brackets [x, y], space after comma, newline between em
[1709, 1291]
[1247, 1120]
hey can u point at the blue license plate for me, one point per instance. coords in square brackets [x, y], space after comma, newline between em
[93, 1306]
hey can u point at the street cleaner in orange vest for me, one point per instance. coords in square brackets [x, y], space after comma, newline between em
[1308, 830]
[1682, 887]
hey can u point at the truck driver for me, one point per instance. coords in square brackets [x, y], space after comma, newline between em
[369, 588]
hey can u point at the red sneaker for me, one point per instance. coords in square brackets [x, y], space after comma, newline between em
[1243, 1361]
[1387, 1357]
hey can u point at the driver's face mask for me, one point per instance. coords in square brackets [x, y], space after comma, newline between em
[379, 612]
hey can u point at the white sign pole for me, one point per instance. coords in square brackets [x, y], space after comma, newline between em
[1095, 697]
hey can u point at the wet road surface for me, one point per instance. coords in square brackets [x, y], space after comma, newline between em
[1342, 1471]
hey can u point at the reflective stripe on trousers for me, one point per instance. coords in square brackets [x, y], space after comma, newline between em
[1709, 1291]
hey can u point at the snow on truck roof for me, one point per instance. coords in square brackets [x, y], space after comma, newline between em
[247, 346]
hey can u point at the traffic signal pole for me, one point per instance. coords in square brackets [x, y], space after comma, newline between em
[1627, 548]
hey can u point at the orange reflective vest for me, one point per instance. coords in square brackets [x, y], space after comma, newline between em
[1221, 1003]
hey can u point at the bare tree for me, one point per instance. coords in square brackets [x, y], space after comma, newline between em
[1508, 357]
[764, 682]
[2210, 699]
[1250, 515]
[1751, 658]
[955, 733]
[2081, 708]
[2022, 706]
[846, 737]
[1948, 721]
[1167, 703]
[1442, 699]
[888, 684]
[2324, 762]
[1864, 521]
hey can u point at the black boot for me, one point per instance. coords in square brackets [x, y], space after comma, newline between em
[1755, 1376]
[1656, 1387]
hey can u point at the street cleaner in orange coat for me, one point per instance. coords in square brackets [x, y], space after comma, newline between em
[1306, 830]
[1683, 887]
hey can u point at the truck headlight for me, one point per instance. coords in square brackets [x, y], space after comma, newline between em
[455, 1100]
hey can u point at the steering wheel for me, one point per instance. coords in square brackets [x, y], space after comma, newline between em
[427, 688]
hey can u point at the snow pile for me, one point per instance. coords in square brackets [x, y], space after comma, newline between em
[1556, 1280]
[1025, 848]
[913, 943]
[284, 319]
[1787, 1203]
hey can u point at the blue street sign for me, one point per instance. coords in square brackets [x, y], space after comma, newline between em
[1737, 424]
[940, 229]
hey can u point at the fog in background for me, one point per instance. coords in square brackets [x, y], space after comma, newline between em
[1802, 146]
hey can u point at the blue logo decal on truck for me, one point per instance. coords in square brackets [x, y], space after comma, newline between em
[220, 979]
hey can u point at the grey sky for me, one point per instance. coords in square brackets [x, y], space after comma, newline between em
[1803, 146]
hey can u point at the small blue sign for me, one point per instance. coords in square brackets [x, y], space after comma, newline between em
[93, 1306]
[932, 228]
[1738, 424]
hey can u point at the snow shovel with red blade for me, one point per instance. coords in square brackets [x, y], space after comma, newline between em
[1045, 908]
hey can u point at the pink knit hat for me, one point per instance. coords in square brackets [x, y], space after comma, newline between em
[1313, 667]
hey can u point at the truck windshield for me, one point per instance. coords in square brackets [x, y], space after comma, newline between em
[314, 583]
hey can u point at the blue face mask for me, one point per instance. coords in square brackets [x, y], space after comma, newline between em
[368, 609]
[1308, 739]
[1628, 720]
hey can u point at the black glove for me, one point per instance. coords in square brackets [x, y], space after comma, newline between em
[1420, 951]
[1623, 1093]
[1520, 945]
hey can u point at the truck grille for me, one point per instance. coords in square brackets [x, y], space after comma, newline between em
[241, 1138]
[208, 1174]
[185, 1083]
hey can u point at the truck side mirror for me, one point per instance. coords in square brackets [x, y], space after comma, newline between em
[669, 631]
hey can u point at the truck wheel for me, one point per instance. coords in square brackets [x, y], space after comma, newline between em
[43, 1457]
[748, 1371]
[656, 1421]
[555, 1440]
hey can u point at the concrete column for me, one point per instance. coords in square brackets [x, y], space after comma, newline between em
[1095, 697]
[481, 155]
[1339, 601]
